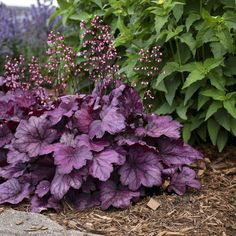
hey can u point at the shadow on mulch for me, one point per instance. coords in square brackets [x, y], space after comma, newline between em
[211, 211]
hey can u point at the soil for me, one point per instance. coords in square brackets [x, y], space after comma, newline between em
[210, 211]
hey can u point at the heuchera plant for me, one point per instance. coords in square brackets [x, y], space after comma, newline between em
[99, 149]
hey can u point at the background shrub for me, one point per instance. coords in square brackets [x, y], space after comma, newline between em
[24, 32]
[198, 43]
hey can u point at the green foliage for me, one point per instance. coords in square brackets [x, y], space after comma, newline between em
[198, 41]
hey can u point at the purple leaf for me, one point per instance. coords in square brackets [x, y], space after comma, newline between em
[97, 146]
[62, 183]
[83, 119]
[43, 188]
[112, 195]
[142, 167]
[180, 181]
[95, 129]
[175, 152]
[5, 135]
[14, 156]
[101, 166]
[160, 125]
[112, 121]
[13, 170]
[67, 158]
[13, 192]
[33, 135]
[40, 204]
[66, 108]
[24, 98]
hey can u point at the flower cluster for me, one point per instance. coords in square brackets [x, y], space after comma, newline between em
[148, 67]
[61, 62]
[98, 52]
[96, 149]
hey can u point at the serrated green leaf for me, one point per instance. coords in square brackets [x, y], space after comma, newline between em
[213, 130]
[205, 35]
[230, 19]
[230, 67]
[222, 139]
[211, 63]
[213, 108]
[193, 77]
[172, 85]
[226, 40]
[217, 79]
[188, 39]
[223, 118]
[63, 4]
[229, 105]
[217, 49]
[213, 93]
[168, 69]
[192, 17]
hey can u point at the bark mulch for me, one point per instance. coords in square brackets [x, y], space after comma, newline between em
[210, 211]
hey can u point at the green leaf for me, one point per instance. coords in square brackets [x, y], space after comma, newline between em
[214, 93]
[213, 108]
[188, 39]
[202, 100]
[211, 63]
[63, 4]
[229, 105]
[213, 130]
[223, 118]
[202, 132]
[174, 33]
[186, 132]
[178, 11]
[160, 21]
[226, 40]
[98, 3]
[181, 110]
[217, 49]
[230, 65]
[80, 16]
[230, 19]
[188, 67]
[172, 85]
[233, 126]
[165, 109]
[222, 139]
[190, 91]
[194, 76]
[217, 79]
[168, 69]
[192, 17]
[161, 87]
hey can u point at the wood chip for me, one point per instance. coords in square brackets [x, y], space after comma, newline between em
[19, 222]
[153, 204]
[168, 233]
[200, 172]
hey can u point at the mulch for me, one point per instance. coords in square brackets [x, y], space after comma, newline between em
[210, 211]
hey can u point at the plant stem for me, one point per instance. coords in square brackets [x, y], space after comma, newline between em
[179, 58]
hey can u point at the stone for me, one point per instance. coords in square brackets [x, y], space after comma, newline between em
[20, 223]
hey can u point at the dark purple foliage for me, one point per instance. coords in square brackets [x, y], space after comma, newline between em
[97, 149]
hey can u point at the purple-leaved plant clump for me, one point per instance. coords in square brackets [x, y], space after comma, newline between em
[100, 149]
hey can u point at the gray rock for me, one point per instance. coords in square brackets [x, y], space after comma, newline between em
[19, 223]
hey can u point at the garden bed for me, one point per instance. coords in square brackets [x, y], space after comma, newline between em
[211, 211]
